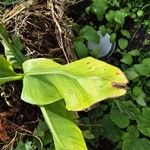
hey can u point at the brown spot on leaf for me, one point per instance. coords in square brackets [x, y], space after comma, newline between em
[119, 85]
[88, 62]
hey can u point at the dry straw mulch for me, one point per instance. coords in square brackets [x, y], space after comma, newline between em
[43, 26]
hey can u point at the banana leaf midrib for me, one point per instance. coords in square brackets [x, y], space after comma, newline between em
[62, 73]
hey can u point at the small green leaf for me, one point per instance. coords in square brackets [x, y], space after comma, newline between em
[130, 109]
[136, 91]
[133, 16]
[95, 53]
[126, 33]
[134, 52]
[122, 112]
[127, 59]
[89, 33]
[144, 122]
[119, 117]
[88, 135]
[81, 49]
[131, 140]
[29, 145]
[99, 8]
[143, 68]
[140, 13]
[103, 30]
[42, 131]
[20, 146]
[110, 16]
[131, 74]
[110, 130]
[119, 17]
[140, 99]
[123, 43]
[112, 37]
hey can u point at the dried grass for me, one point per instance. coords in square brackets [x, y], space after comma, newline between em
[44, 28]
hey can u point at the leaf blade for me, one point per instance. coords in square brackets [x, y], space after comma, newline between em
[6, 72]
[12, 49]
[81, 83]
[67, 135]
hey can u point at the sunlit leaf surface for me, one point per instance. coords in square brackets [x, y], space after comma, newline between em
[81, 83]
[66, 135]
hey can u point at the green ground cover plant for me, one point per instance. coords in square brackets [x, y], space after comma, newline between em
[112, 16]
[122, 124]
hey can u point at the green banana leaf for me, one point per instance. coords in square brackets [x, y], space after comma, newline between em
[81, 83]
[66, 135]
[6, 72]
[12, 48]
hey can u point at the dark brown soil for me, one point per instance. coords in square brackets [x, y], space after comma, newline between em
[37, 31]
[19, 117]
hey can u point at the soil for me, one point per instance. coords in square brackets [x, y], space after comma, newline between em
[17, 118]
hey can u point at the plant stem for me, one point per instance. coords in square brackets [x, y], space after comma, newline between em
[12, 78]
